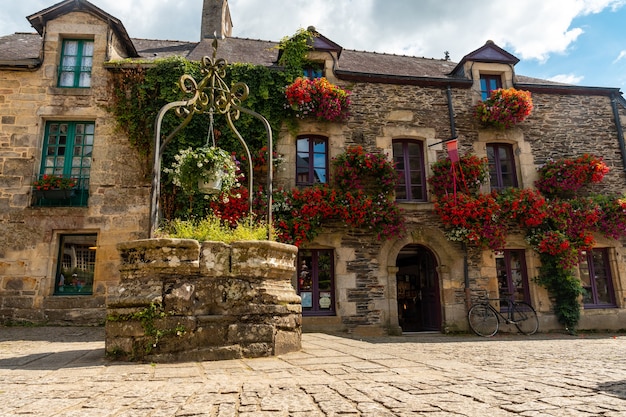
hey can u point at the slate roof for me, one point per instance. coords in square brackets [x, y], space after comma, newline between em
[20, 49]
[40, 19]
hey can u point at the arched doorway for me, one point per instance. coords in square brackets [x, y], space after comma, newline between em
[419, 302]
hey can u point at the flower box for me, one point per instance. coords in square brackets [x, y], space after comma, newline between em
[55, 194]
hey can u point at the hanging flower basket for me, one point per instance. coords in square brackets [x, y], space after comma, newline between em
[213, 185]
[317, 98]
[504, 108]
[205, 170]
[372, 172]
[564, 177]
[471, 173]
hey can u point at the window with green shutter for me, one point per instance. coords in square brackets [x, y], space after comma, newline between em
[67, 152]
[76, 62]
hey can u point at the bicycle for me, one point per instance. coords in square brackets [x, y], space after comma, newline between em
[484, 318]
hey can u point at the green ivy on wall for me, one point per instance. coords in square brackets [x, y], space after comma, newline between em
[140, 91]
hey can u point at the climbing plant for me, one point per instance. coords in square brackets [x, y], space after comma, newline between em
[293, 52]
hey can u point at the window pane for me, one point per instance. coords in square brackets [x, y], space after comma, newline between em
[585, 280]
[76, 265]
[305, 278]
[303, 145]
[311, 161]
[501, 165]
[67, 79]
[319, 165]
[88, 48]
[68, 63]
[409, 160]
[85, 79]
[602, 277]
[315, 281]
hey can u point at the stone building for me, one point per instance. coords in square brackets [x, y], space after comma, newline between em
[58, 258]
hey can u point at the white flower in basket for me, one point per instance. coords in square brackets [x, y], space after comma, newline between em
[205, 170]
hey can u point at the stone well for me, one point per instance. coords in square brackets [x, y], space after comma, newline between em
[179, 299]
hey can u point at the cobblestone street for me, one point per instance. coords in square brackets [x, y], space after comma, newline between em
[62, 371]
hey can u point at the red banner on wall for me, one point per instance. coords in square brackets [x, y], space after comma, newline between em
[453, 151]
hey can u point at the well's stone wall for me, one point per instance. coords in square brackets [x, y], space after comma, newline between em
[179, 299]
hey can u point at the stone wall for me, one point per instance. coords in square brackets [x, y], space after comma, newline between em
[561, 125]
[183, 300]
[118, 204]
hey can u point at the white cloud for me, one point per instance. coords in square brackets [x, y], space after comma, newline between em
[622, 55]
[567, 78]
[530, 29]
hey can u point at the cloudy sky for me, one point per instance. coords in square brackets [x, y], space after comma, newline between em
[575, 41]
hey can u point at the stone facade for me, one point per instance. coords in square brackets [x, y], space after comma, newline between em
[181, 300]
[426, 101]
[118, 188]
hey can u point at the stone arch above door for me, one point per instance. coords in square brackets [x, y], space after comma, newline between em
[449, 259]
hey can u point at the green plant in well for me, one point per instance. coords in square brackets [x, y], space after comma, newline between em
[212, 228]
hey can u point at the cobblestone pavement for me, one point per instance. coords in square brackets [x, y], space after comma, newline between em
[61, 371]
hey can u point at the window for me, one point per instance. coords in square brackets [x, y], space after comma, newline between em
[595, 274]
[76, 62]
[76, 264]
[316, 282]
[502, 171]
[67, 152]
[408, 156]
[489, 83]
[311, 160]
[313, 71]
[512, 275]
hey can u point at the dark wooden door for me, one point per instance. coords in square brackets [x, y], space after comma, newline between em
[419, 302]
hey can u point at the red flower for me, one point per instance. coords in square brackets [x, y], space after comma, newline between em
[318, 98]
[504, 108]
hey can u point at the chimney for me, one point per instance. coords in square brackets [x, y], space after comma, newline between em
[216, 20]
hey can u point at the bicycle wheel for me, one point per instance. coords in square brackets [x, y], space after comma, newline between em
[525, 318]
[483, 320]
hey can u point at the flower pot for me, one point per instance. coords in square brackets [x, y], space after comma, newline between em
[58, 194]
[212, 186]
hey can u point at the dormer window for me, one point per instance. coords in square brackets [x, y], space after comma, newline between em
[488, 83]
[75, 64]
[312, 71]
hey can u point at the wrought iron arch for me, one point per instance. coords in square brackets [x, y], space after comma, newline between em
[209, 96]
